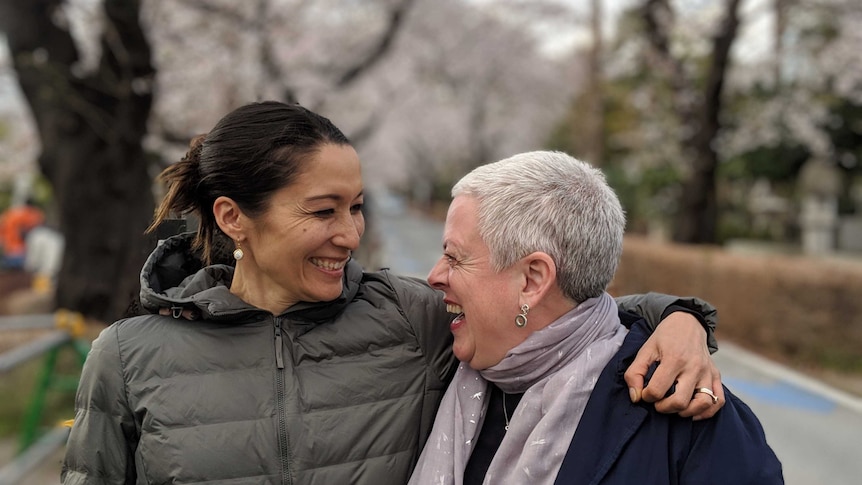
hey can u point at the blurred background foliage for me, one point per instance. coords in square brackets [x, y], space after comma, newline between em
[702, 114]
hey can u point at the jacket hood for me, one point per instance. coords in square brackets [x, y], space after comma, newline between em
[174, 277]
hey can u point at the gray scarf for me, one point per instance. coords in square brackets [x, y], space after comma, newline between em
[556, 368]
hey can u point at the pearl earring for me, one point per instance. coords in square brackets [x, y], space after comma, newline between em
[237, 253]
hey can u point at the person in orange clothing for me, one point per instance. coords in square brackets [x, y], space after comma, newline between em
[15, 223]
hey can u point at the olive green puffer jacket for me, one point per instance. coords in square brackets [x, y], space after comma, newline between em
[342, 392]
[322, 394]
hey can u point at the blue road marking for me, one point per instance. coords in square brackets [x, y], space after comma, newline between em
[781, 393]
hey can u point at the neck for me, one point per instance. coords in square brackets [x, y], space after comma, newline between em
[549, 310]
[261, 292]
[547, 348]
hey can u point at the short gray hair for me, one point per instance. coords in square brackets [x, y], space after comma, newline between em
[550, 202]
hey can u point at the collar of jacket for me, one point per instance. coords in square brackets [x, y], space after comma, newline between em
[174, 276]
[590, 460]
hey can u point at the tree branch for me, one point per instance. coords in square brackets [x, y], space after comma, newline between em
[718, 66]
[232, 16]
[396, 20]
[658, 22]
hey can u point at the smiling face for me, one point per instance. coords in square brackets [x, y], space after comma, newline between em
[297, 249]
[486, 301]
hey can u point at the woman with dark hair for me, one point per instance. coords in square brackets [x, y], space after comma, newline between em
[290, 364]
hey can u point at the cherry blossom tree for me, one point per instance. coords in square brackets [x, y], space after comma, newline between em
[117, 88]
[90, 120]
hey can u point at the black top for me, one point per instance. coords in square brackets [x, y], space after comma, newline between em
[491, 435]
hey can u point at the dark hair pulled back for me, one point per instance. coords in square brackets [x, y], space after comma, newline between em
[252, 152]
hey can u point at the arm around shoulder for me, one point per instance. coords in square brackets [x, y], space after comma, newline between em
[426, 312]
[654, 307]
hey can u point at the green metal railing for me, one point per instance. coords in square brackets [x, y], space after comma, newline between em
[66, 334]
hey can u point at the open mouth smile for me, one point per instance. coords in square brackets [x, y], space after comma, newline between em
[329, 264]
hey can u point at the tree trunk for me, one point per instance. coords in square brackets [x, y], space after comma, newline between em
[91, 126]
[697, 218]
[697, 209]
[595, 143]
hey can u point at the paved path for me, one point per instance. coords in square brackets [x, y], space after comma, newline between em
[814, 429]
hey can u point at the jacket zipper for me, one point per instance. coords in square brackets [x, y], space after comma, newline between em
[279, 348]
[283, 441]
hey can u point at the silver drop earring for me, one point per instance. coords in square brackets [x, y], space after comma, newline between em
[237, 253]
[521, 319]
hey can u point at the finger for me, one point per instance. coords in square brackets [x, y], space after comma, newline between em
[681, 400]
[164, 311]
[673, 403]
[690, 371]
[719, 393]
[635, 381]
[663, 387]
[718, 390]
[637, 371]
[699, 405]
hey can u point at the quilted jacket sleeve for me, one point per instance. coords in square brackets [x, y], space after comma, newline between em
[424, 308]
[101, 445]
[652, 306]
